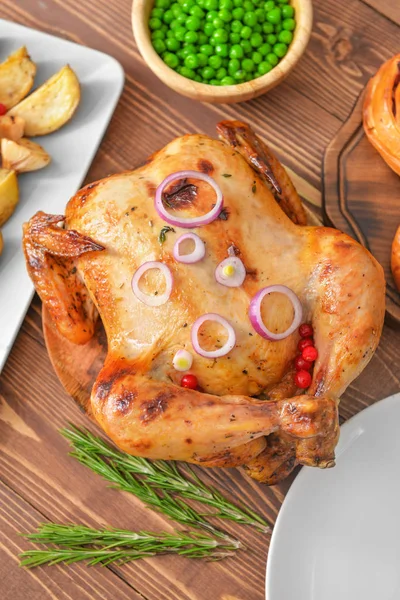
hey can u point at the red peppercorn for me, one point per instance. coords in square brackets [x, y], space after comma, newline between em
[3, 109]
[301, 364]
[310, 354]
[189, 381]
[302, 379]
[304, 343]
[306, 331]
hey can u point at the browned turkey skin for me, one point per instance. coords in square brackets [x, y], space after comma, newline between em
[82, 266]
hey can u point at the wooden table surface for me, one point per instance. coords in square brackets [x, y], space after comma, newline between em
[38, 481]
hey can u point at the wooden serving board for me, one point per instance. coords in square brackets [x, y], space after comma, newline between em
[362, 196]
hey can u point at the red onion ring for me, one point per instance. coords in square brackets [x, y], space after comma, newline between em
[255, 312]
[198, 252]
[146, 298]
[234, 280]
[230, 343]
[189, 222]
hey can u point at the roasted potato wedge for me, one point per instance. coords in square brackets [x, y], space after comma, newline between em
[23, 155]
[50, 106]
[8, 194]
[11, 128]
[396, 258]
[16, 77]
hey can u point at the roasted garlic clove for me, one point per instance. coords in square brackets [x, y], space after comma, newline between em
[11, 127]
[23, 155]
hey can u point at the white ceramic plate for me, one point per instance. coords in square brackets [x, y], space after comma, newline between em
[337, 536]
[72, 149]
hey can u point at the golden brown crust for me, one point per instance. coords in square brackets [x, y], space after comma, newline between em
[241, 137]
[396, 258]
[381, 112]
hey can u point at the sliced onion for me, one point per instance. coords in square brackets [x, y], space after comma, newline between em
[146, 298]
[182, 360]
[255, 312]
[189, 222]
[230, 343]
[230, 272]
[198, 252]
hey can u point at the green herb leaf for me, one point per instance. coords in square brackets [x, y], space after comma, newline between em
[163, 233]
[226, 175]
[254, 188]
[106, 546]
[164, 476]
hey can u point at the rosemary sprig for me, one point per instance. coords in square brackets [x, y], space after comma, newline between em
[107, 546]
[161, 475]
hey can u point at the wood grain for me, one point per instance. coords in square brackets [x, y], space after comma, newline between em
[361, 196]
[298, 119]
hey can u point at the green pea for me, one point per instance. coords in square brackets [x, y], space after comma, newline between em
[203, 59]
[260, 14]
[265, 49]
[168, 17]
[268, 28]
[271, 39]
[206, 49]
[159, 46]
[172, 44]
[186, 72]
[250, 18]
[203, 39]
[282, 1]
[264, 67]
[280, 50]
[213, 14]
[246, 32]
[270, 5]
[200, 3]
[289, 24]
[163, 4]
[193, 23]
[247, 65]
[174, 25]
[171, 60]
[164, 28]
[211, 4]
[191, 37]
[225, 15]
[256, 40]
[215, 62]
[207, 73]
[274, 16]
[170, 34]
[238, 13]
[233, 66]
[157, 35]
[221, 73]
[226, 4]
[235, 38]
[272, 59]
[237, 3]
[285, 37]
[158, 13]
[197, 78]
[218, 23]
[196, 11]
[213, 82]
[154, 23]
[191, 61]
[228, 81]
[187, 5]
[257, 28]
[256, 58]
[278, 28]
[248, 6]
[220, 36]
[209, 29]
[221, 50]
[236, 51]
[247, 47]
[239, 75]
[188, 49]
[236, 26]
[180, 33]
[181, 54]
[287, 12]
[176, 10]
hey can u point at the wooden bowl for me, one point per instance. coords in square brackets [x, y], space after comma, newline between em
[221, 94]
